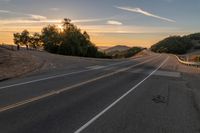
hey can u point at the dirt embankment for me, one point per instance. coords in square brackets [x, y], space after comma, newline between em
[16, 63]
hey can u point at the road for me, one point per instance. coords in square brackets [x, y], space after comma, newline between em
[152, 94]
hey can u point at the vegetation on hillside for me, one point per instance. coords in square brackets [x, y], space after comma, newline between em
[133, 51]
[176, 44]
[119, 48]
[126, 53]
[69, 40]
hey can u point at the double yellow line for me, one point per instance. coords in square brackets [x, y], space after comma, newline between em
[52, 93]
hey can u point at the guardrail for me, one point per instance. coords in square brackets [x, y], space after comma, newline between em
[197, 64]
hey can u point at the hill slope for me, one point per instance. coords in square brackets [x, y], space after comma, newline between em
[118, 48]
[123, 51]
[178, 44]
[16, 63]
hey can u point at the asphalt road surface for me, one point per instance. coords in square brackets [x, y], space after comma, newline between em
[152, 94]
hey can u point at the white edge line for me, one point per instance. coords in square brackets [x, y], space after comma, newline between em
[119, 99]
[62, 75]
[42, 79]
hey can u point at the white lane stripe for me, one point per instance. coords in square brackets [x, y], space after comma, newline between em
[42, 79]
[119, 99]
[68, 88]
[62, 75]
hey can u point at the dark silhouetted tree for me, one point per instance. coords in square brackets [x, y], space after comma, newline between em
[35, 41]
[17, 40]
[25, 39]
[68, 41]
[51, 38]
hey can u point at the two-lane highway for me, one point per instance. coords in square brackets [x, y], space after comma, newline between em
[32, 89]
[140, 95]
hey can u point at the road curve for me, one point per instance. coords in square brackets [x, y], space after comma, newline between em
[151, 94]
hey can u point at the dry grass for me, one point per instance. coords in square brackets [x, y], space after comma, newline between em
[15, 63]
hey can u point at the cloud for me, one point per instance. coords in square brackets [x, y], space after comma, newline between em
[131, 29]
[4, 11]
[33, 18]
[20, 21]
[89, 20]
[54, 9]
[37, 17]
[113, 22]
[44, 20]
[5, 0]
[30, 16]
[138, 10]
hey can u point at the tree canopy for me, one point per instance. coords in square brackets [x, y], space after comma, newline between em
[69, 40]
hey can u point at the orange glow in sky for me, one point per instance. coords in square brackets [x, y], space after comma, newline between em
[109, 22]
[101, 35]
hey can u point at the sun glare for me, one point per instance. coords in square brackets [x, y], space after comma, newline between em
[60, 27]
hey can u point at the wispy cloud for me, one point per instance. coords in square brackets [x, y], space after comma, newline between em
[20, 21]
[131, 29]
[139, 10]
[37, 17]
[33, 18]
[4, 11]
[113, 22]
[30, 16]
[5, 0]
[89, 20]
[54, 9]
[44, 20]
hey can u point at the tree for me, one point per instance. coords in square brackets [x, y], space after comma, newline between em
[35, 40]
[86, 35]
[25, 38]
[76, 43]
[51, 38]
[68, 26]
[17, 40]
[69, 41]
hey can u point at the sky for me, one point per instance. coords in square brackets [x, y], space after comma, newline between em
[109, 22]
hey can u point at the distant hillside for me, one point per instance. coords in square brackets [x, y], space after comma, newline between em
[178, 44]
[123, 51]
[195, 38]
[103, 48]
[118, 48]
